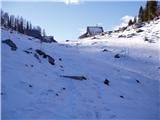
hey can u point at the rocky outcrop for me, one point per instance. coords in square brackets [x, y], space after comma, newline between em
[41, 53]
[44, 55]
[106, 82]
[117, 56]
[51, 60]
[11, 44]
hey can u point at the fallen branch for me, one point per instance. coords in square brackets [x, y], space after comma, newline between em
[75, 77]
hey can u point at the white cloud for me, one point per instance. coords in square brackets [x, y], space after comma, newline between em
[67, 2]
[126, 18]
[124, 21]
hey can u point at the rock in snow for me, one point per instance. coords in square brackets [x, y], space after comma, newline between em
[117, 56]
[106, 82]
[51, 60]
[75, 77]
[10, 43]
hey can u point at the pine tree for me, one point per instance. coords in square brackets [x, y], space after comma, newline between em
[12, 21]
[130, 22]
[27, 26]
[145, 15]
[6, 19]
[38, 28]
[18, 24]
[135, 20]
[2, 18]
[153, 6]
[141, 14]
[150, 11]
[15, 24]
[30, 26]
[9, 22]
[21, 25]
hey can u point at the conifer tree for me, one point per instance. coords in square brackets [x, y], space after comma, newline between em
[130, 22]
[152, 9]
[135, 20]
[27, 26]
[30, 26]
[141, 14]
[21, 25]
[145, 15]
[2, 17]
[9, 22]
[6, 19]
[149, 12]
[15, 24]
[12, 21]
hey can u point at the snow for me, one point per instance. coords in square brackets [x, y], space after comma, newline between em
[37, 92]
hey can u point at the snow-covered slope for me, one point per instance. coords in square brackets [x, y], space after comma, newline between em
[35, 89]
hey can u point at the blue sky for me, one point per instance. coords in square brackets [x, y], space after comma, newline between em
[67, 21]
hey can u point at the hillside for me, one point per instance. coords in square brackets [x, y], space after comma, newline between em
[118, 76]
